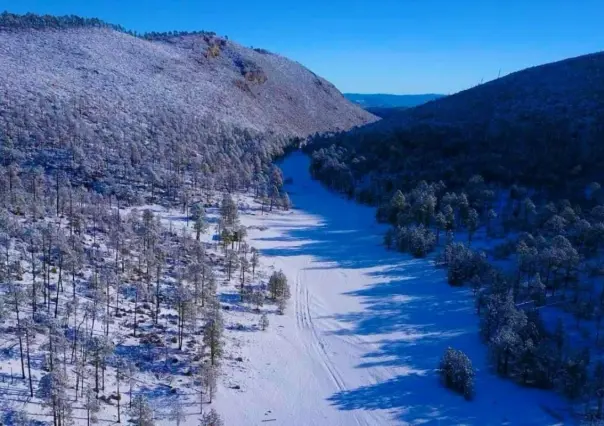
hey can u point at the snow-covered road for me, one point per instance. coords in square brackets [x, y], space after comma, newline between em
[364, 331]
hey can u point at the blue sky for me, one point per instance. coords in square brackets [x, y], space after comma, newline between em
[369, 46]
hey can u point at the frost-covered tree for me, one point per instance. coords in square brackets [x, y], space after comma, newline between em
[52, 390]
[212, 334]
[279, 290]
[277, 284]
[574, 374]
[257, 298]
[441, 224]
[141, 413]
[264, 322]
[471, 222]
[463, 264]
[415, 239]
[92, 406]
[286, 203]
[211, 419]
[254, 261]
[537, 290]
[229, 212]
[177, 412]
[208, 377]
[200, 221]
[457, 373]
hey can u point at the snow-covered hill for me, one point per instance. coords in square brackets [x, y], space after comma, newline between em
[500, 130]
[125, 82]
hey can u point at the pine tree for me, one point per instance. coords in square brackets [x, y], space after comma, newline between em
[457, 373]
[277, 284]
[212, 333]
[141, 414]
[286, 203]
[92, 406]
[263, 322]
[177, 412]
[255, 261]
[208, 378]
[211, 419]
[200, 222]
[471, 223]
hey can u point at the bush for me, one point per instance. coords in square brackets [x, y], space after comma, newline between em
[457, 373]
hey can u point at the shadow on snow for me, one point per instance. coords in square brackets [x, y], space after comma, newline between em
[409, 298]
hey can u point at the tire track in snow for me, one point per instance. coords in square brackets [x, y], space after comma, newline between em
[301, 320]
[305, 322]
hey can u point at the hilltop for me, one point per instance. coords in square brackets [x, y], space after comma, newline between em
[90, 87]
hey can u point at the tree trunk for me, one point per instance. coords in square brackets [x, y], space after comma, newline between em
[31, 388]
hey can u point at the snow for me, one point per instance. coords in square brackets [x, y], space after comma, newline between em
[358, 345]
[364, 332]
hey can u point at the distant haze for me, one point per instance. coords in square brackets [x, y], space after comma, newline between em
[380, 100]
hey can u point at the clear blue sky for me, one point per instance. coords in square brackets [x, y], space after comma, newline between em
[368, 46]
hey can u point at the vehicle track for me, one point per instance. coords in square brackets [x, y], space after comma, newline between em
[306, 325]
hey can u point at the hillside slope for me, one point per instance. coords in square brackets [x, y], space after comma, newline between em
[543, 126]
[107, 68]
[134, 101]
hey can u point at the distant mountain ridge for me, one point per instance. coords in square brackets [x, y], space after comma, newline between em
[382, 100]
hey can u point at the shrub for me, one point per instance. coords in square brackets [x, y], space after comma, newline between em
[457, 373]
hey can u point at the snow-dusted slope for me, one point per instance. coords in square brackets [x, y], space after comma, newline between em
[364, 331]
[105, 81]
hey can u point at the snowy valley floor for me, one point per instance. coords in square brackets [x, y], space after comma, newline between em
[364, 331]
[359, 343]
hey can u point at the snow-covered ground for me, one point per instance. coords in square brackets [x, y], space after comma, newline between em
[364, 331]
[358, 345]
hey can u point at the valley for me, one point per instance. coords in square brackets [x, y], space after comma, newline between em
[366, 328]
[199, 232]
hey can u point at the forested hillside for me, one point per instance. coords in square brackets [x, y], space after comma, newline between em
[542, 127]
[124, 162]
[152, 105]
[499, 185]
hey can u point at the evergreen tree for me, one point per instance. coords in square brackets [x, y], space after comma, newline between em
[457, 373]
[212, 334]
[211, 419]
[141, 413]
[264, 322]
